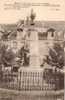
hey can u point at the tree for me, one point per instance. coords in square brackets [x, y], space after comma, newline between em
[23, 56]
[5, 35]
[7, 56]
[56, 56]
[55, 59]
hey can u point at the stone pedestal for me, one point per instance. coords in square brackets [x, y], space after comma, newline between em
[34, 50]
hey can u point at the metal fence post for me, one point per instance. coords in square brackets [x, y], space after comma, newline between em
[20, 82]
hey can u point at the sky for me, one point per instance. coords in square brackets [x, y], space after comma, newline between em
[46, 10]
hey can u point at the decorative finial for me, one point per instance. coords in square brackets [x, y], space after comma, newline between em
[32, 17]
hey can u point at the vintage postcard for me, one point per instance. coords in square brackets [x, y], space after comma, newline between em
[32, 49]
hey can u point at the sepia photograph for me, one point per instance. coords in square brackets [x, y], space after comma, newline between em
[32, 56]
